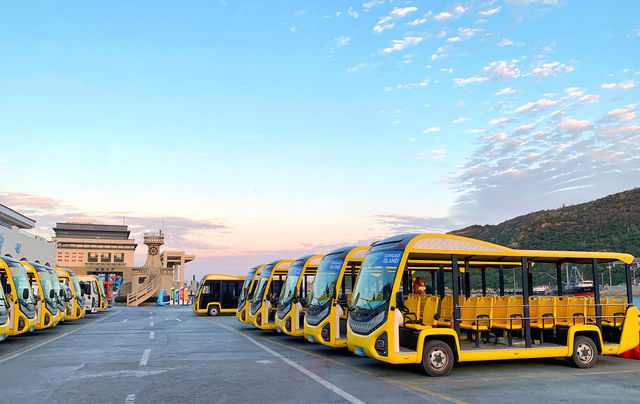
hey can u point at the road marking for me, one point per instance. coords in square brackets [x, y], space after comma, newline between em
[536, 376]
[145, 357]
[151, 324]
[178, 320]
[125, 320]
[152, 335]
[131, 398]
[350, 398]
[53, 338]
[264, 362]
[398, 382]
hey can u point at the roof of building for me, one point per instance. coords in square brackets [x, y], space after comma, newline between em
[10, 217]
[92, 230]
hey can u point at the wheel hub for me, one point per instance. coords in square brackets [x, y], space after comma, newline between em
[437, 358]
[584, 353]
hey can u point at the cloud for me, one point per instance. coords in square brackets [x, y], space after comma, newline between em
[573, 125]
[461, 120]
[507, 90]
[438, 154]
[400, 224]
[352, 13]
[627, 85]
[357, 67]
[454, 39]
[445, 15]
[620, 114]
[417, 22]
[431, 130]
[590, 98]
[475, 131]
[537, 106]
[499, 121]
[342, 41]
[490, 11]
[551, 69]
[400, 44]
[608, 85]
[524, 128]
[396, 14]
[504, 42]
[370, 4]
[499, 70]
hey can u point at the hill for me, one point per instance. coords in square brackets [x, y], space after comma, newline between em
[611, 223]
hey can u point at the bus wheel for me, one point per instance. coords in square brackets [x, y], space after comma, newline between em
[213, 311]
[585, 352]
[437, 358]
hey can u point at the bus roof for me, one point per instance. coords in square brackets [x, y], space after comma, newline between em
[223, 277]
[352, 253]
[442, 246]
[312, 260]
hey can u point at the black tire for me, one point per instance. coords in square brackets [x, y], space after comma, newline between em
[585, 352]
[213, 311]
[437, 358]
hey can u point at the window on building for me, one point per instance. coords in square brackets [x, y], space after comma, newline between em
[105, 257]
[118, 257]
[92, 257]
[141, 279]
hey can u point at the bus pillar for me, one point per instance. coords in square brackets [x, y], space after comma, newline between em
[441, 281]
[455, 274]
[596, 292]
[559, 278]
[467, 280]
[484, 281]
[433, 282]
[525, 302]
[530, 275]
[501, 275]
[627, 272]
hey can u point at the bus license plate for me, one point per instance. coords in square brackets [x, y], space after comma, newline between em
[311, 339]
[359, 351]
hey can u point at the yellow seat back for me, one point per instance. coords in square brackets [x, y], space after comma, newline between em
[430, 308]
[500, 311]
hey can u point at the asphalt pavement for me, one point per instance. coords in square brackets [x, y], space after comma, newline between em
[170, 355]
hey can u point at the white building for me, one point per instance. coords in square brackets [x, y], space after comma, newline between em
[19, 244]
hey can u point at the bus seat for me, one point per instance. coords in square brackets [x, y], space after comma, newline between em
[446, 311]
[571, 310]
[468, 313]
[614, 312]
[430, 309]
[542, 311]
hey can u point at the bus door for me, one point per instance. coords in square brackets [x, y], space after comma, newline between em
[230, 293]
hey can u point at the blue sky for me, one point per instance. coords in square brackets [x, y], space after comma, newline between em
[254, 130]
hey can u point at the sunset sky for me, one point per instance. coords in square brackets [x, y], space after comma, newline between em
[256, 130]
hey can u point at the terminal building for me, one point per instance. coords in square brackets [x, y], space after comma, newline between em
[18, 243]
[95, 249]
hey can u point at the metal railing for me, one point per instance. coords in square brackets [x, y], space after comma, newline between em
[149, 287]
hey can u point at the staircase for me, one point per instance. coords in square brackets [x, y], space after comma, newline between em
[149, 288]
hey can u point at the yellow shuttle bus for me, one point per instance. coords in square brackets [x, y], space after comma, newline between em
[61, 298]
[290, 313]
[104, 304]
[248, 287]
[75, 309]
[46, 305]
[388, 323]
[262, 311]
[218, 294]
[18, 294]
[328, 302]
[4, 316]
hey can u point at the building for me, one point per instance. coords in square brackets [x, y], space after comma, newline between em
[95, 249]
[18, 243]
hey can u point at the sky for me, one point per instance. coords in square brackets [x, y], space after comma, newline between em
[251, 131]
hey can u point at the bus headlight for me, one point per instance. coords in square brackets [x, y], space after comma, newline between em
[365, 327]
[287, 324]
[381, 344]
[326, 332]
[259, 319]
[20, 323]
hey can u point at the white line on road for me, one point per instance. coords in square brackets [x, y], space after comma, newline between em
[178, 320]
[125, 320]
[152, 335]
[131, 398]
[151, 324]
[350, 398]
[145, 357]
[55, 338]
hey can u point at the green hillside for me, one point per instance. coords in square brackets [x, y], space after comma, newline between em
[611, 223]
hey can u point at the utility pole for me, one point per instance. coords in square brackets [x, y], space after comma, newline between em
[610, 279]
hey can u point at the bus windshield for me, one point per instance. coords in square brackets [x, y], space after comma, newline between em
[262, 283]
[45, 283]
[376, 278]
[76, 286]
[21, 282]
[55, 282]
[325, 281]
[247, 283]
[289, 289]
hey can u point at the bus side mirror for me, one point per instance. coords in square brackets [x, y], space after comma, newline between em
[399, 299]
[7, 289]
[52, 294]
[25, 294]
